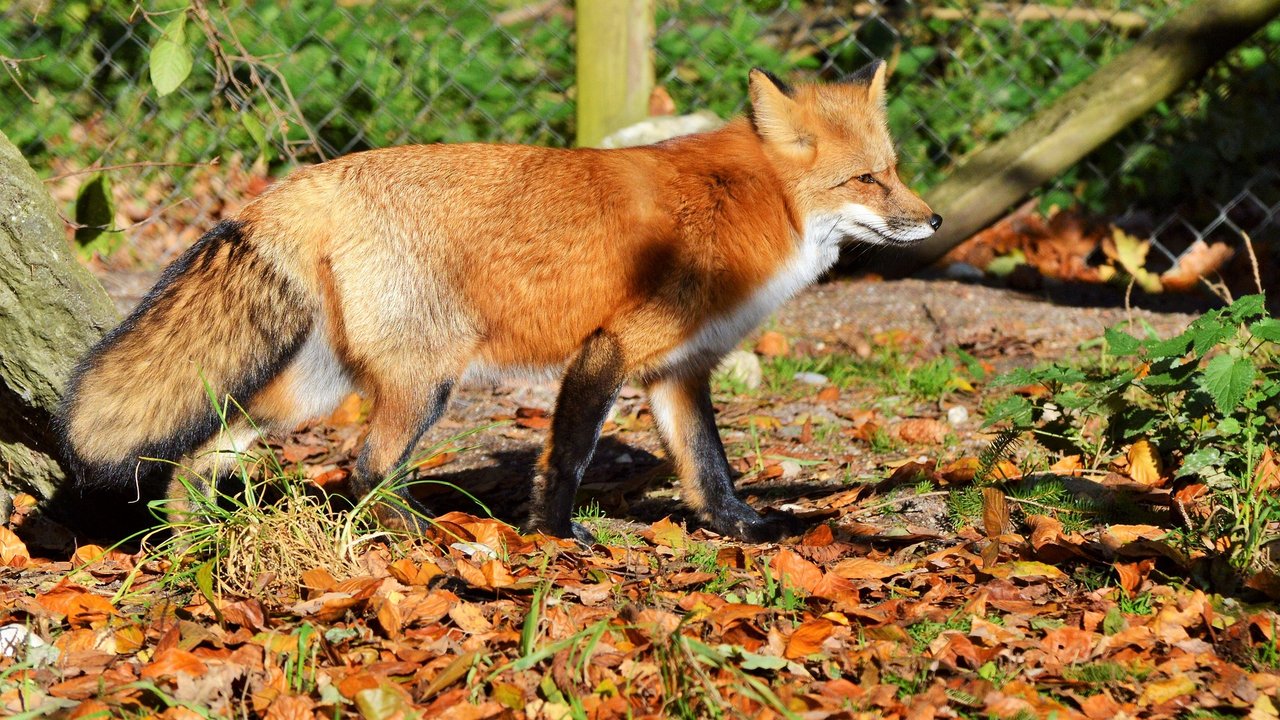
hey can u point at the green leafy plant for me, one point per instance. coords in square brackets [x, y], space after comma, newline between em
[1205, 399]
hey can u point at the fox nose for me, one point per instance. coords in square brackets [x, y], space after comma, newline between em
[935, 221]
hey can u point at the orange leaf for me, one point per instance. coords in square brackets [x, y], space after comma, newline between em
[1197, 261]
[1099, 707]
[995, 512]
[13, 551]
[1266, 476]
[291, 707]
[833, 587]
[1144, 463]
[772, 344]
[88, 609]
[808, 638]
[430, 609]
[318, 580]
[860, 568]
[87, 555]
[390, 615]
[497, 575]
[357, 682]
[961, 470]
[1115, 537]
[793, 570]
[1069, 465]
[348, 413]
[669, 534]
[1133, 573]
[470, 618]
[173, 662]
[411, 573]
[819, 536]
[1044, 530]
[128, 639]
[91, 709]
[532, 418]
[921, 431]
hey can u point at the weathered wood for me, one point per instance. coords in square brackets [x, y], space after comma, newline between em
[615, 66]
[990, 182]
[51, 310]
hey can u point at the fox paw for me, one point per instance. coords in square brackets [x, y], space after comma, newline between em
[743, 523]
[575, 531]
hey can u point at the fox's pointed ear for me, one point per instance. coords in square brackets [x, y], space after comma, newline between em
[774, 112]
[872, 75]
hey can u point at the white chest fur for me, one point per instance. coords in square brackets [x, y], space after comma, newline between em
[816, 252]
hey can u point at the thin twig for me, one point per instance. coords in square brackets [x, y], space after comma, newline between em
[143, 163]
[1253, 261]
[11, 67]
[1128, 302]
[535, 11]
[255, 62]
[140, 224]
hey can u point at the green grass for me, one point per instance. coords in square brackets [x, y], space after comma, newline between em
[1104, 672]
[593, 517]
[924, 632]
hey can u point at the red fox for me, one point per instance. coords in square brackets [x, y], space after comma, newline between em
[396, 271]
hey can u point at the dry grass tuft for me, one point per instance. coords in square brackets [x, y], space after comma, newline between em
[268, 546]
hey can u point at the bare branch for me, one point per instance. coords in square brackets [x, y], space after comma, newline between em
[144, 163]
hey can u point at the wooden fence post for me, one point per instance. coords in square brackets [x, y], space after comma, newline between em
[615, 66]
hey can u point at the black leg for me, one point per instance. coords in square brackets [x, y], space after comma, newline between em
[686, 419]
[587, 392]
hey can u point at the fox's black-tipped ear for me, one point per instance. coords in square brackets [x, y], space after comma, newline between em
[774, 112]
[784, 88]
[872, 75]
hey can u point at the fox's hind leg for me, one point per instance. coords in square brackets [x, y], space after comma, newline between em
[195, 482]
[587, 392]
[402, 413]
[686, 419]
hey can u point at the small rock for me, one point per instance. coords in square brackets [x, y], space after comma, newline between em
[790, 468]
[623, 459]
[772, 344]
[957, 415]
[743, 367]
[811, 378]
[657, 129]
[964, 272]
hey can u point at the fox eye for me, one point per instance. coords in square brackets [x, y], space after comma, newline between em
[867, 178]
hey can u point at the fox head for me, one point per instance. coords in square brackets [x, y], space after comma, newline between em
[830, 145]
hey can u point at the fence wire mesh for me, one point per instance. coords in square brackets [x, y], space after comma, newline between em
[276, 84]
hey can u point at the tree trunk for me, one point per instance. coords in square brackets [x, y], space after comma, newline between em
[990, 182]
[51, 311]
[615, 66]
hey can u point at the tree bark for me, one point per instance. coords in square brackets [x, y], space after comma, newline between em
[615, 66]
[51, 311]
[990, 182]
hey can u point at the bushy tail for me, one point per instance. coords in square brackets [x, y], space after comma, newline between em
[222, 316]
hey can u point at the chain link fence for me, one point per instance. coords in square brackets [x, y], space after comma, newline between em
[276, 84]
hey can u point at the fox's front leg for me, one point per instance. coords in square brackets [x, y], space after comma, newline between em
[588, 390]
[686, 418]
